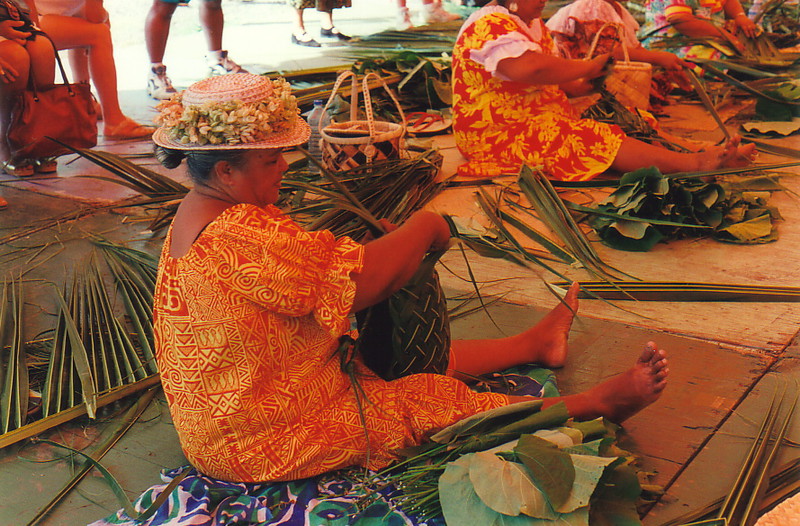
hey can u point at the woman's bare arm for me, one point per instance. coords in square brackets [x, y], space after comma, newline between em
[391, 260]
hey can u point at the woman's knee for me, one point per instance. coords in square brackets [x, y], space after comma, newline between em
[18, 58]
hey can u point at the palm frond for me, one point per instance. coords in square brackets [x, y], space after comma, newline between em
[684, 291]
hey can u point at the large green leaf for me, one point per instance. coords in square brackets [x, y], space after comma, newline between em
[551, 468]
[588, 470]
[506, 487]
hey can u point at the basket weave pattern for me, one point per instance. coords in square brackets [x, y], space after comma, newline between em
[347, 145]
[628, 81]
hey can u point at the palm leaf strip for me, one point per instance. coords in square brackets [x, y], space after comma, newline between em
[488, 205]
[553, 213]
[40, 426]
[684, 291]
[13, 411]
[127, 421]
[750, 513]
[706, 100]
[80, 358]
[708, 68]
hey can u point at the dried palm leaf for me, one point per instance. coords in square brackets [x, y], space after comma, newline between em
[684, 291]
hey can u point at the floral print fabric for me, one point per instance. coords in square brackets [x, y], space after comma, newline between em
[247, 324]
[657, 24]
[500, 125]
[575, 26]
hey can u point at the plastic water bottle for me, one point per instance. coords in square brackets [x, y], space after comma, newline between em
[317, 118]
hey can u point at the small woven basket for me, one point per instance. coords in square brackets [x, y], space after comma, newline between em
[628, 81]
[347, 145]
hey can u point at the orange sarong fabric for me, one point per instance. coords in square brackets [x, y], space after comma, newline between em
[247, 324]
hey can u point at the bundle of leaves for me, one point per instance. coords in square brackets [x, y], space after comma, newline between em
[521, 463]
[609, 110]
[782, 101]
[425, 80]
[648, 207]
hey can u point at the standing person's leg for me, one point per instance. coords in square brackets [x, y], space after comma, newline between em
[17, 63]
[14, 69]
[327, 29]
[156, 33]
[69, 32]
[212, 19]
[299, 35]
[403, 16]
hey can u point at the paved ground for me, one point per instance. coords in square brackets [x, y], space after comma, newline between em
[726, 358]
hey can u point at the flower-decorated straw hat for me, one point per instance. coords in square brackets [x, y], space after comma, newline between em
[235, 111]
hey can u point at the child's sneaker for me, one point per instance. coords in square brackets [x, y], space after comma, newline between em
[159, 86]
[223, 64]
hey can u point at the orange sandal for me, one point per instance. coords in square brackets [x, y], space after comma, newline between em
[424, 122]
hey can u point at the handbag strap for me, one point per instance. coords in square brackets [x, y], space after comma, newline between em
[32, 81]
[365, 90]
[620, 37]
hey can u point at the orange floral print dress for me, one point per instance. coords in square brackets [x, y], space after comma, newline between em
[247, 323]
[499, 124]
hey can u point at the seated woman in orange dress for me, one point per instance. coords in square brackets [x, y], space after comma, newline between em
[250, 309]
[510, 106]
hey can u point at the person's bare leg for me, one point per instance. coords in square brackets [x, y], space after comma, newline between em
[299, 23]
[213, 21]
[12, 82]
[156, 29]
[545, 344]
[79, 64]
[622, 396]
[71, 32]
[634, 154]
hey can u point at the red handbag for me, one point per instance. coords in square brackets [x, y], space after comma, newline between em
[63, 111]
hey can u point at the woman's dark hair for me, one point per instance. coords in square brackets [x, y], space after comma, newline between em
[200, 162]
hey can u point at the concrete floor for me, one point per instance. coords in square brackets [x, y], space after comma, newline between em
[726, 358]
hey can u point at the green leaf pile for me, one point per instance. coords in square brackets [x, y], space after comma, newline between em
[536, 482]
[648, 207]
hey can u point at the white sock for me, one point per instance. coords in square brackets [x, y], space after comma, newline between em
[154, 65]
[215, 55]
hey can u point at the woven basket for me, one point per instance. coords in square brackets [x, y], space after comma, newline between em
[628, 81]
[408, 333]
[347, 145]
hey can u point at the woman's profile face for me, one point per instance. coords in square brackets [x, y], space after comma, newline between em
[258, 180]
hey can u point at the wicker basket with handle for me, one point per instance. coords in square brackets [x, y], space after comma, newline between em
[628, 81]
[349, 144]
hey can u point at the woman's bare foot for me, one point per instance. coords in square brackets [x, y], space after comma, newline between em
[546, 342]
[628, 393]
[731, 154]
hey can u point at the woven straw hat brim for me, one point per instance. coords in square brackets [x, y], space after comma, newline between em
[298, 134]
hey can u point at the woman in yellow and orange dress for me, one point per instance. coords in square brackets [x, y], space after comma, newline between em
[250, 309]
[510, 106]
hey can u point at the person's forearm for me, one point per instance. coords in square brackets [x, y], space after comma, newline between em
[692, 26]
[537, 68]
[391, 260]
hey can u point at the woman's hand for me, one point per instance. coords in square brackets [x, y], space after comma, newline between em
[597, 66]
[8, 73]
[670, 61]
[746, 26]
[9, 29]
